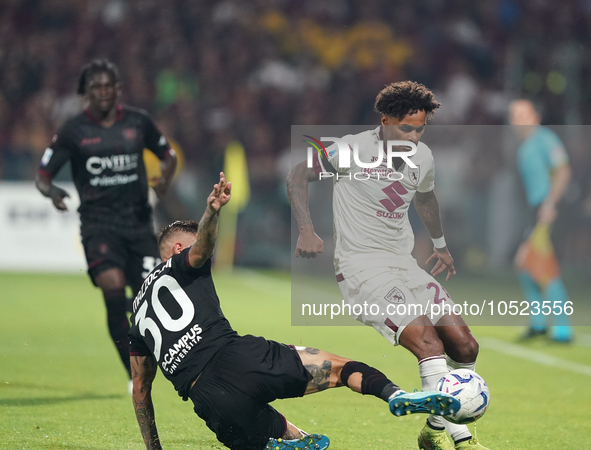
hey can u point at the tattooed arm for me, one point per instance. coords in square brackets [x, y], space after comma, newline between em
[309, 243]
[143, 371]
[427, 208]
[203, 247]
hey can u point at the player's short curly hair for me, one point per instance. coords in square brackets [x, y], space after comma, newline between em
[184, 226]
[93, 67]
[405, 97]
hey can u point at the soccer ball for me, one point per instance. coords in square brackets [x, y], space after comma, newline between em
[472, 392]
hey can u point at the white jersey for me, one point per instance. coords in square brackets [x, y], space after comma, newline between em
[371, 225]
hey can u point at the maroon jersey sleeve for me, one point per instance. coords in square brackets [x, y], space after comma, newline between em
[155, 140]
[59, 152]
[137, 346]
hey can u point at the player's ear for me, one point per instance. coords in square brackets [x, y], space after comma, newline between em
[177, 248]
[384, 119]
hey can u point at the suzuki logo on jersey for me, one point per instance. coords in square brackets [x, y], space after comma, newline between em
[344, 153]
[117, 163]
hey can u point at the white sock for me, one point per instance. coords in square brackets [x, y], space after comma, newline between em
[431, 370]
[458, 432]
[453, 365]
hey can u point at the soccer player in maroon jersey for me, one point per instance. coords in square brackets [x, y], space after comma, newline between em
[178, 324]
[104, 145]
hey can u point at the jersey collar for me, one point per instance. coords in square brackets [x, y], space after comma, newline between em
[385, 147]
[97, 121]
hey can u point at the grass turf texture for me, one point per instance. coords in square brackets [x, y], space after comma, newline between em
[62, 386]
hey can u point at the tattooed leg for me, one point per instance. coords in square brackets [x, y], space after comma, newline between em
[329, 370]
[324, 367]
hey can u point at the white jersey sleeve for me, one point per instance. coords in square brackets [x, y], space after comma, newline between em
[427, 184]
[334, 157]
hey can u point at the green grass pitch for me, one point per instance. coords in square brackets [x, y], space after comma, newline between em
[62, 386]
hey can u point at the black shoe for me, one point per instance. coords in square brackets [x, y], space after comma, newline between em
[532, 333]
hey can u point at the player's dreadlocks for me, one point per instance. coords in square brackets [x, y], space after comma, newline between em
[405, 97]
[93, 67]
[184, 226]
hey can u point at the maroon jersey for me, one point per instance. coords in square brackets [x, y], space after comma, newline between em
[177, 318]
[107, 166]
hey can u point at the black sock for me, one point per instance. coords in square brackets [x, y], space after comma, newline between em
[373, 381]
[116, 302]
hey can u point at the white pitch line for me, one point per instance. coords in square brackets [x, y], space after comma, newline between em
[531, 355]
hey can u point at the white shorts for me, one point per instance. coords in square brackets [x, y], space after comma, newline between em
[390, 298]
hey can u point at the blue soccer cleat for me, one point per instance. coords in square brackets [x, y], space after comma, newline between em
[429, 402]
[308, 442]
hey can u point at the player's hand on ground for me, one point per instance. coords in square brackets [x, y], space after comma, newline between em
[309, 244]
[220, 194]
[444, 261]
[57, 196]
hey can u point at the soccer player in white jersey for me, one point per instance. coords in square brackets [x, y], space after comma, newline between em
[374, 240]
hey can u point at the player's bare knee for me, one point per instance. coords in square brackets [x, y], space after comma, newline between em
[422, 341]
[472, 349]
[466, 351]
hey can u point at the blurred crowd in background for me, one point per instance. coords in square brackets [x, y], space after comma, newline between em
[213, 71]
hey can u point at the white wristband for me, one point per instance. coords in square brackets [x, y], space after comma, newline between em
[439, 242]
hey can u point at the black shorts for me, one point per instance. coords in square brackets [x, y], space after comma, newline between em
[136, 255]
[233, 391]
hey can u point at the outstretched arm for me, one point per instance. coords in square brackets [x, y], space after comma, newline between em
[43, 181]
[427, 207]
[143, 372]
[203, 247]
[309, 243]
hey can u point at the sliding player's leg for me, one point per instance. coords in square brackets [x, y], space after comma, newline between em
[233, 392]
[296, 439]
[329, 370]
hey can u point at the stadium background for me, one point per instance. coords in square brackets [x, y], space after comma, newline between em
[211, 72]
